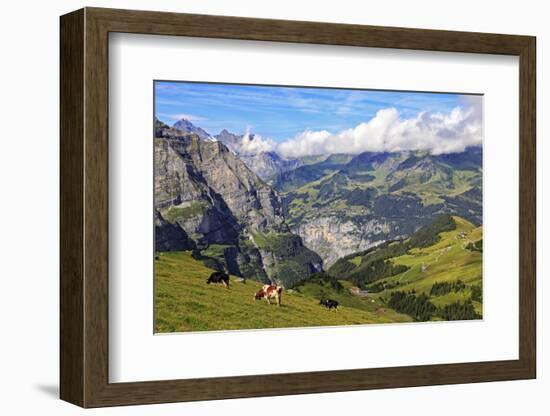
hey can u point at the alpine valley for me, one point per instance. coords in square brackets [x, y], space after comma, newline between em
[391, 223]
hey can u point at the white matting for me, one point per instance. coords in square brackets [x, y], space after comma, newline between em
[135, 354]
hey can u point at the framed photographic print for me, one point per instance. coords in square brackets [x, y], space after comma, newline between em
[256, 207]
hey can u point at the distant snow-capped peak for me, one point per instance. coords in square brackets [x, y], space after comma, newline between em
[186, 126]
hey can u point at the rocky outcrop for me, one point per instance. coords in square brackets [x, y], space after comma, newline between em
[333, 237]
[285, 257]
[205, 188]
[208, 192]
[269, 165]
[170, 237]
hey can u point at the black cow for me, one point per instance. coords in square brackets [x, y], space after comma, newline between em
[329, 304]
[219, 277]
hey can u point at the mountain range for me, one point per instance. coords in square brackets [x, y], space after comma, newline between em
[259, 215]
[266, 164]
[347, 203]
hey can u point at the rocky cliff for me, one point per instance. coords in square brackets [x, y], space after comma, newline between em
[333, 237]
[170, 237]
[223, 207]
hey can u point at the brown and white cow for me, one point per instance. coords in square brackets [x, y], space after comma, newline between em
[270, 292]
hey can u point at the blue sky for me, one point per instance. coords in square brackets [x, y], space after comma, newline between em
[280, 113]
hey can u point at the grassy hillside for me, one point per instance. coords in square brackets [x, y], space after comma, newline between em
[442, 280]
[434, 274]
[449, 260]
[344, 297]
[184, 302]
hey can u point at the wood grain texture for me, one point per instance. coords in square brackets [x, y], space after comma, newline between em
[527, 208]
[226, 27]
[96, 208]
[71, 100]
[84, 204]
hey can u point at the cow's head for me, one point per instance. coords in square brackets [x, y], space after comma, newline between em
[259, 295]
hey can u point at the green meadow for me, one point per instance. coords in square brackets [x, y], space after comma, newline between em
[184, 302]
[449, 260]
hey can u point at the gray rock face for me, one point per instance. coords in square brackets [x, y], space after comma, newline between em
[269, 165]
[208, 192]
[333, 237]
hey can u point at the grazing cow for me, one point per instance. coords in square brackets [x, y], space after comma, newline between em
[269, 292]
[329, 304]
[219, 277]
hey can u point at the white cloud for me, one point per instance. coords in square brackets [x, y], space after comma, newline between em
[435, 132]
[307, 143]
[253, 143]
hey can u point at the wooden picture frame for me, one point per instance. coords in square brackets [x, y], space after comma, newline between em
[84, 207]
